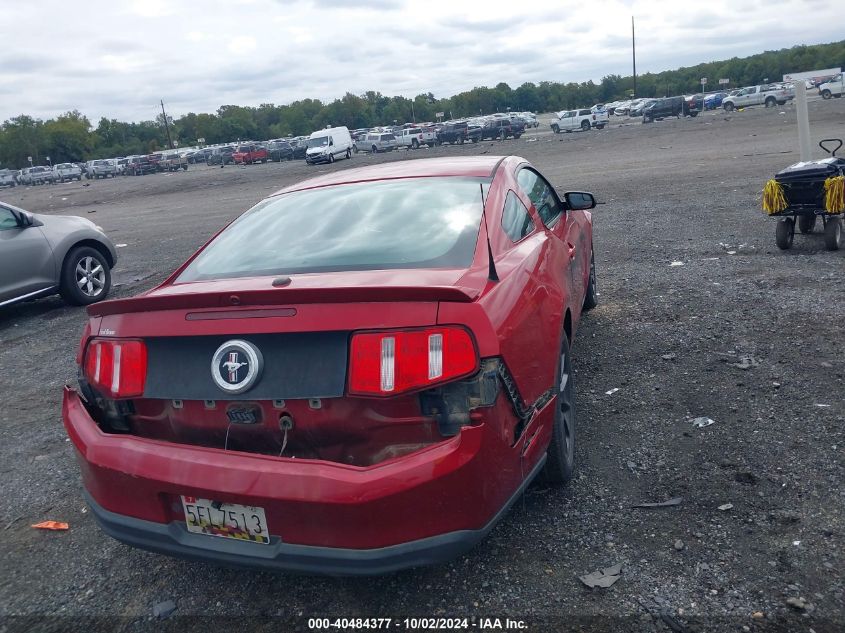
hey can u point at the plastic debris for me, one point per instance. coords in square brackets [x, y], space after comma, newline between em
[700, 423]
[676, 263]
[164, 609]
[725, 506]
[823, 406]
[675, 501]
[120, 245]
[612, 391]
[51, 525]
[602, 578]
[669, 356]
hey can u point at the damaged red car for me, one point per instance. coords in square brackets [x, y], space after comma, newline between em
[361, 373]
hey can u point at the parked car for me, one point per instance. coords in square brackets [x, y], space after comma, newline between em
[300, 146]
[694, 105]
[458, 132]
[173, 161]
[414, 362]
[376, 142]
[42, 255]
[121, 165]
[140, 165]
[835, 87]
[66, 171]
[530, 119]
[637, 110]
[41, 175]
[221, 156]
[768, 95]
[571, 120]
[102, 169]
[200, 155]
[498, 128]
[714, 100]
[664, 108]
[7, 178]
[415, 137]
[279, 150]
[325, 146]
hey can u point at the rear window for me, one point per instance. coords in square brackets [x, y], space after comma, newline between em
[405, 223]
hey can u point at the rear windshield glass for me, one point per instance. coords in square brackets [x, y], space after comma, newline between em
[407, 223]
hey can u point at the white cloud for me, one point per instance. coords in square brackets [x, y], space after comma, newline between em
[198, 56]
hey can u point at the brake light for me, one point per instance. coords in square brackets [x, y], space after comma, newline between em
[117, 367]
[388, 363]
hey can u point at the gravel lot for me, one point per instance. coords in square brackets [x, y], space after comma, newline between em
[742, 333]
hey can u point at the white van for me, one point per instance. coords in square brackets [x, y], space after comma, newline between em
[324, 146]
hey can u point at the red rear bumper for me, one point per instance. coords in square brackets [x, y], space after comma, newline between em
[333, 518]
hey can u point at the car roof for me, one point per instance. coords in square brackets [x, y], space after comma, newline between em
[465, 166]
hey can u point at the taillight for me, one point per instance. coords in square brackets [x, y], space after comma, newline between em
[117, 367]
[387, 363]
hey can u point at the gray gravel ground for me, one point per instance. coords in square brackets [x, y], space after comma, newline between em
[671, 339]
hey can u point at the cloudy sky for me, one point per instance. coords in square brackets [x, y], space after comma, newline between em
[119, 57]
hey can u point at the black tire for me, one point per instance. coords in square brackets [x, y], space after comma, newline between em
[833, 234]
[502, 135]
[331, 158]
[556, 129]
[600, 127]
[84, 262]
[728, 107]
[806, 223]
[585, 125]
[591, 299]
[693, 114]
[348, 153]
[785, 233]
[826, 94]
[560, 456]
[185, 167]
[375, 149]
[461, 140]
[771, 102]
[414, 144]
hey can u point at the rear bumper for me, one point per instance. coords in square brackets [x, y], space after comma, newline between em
[424, 508]
[174, 539]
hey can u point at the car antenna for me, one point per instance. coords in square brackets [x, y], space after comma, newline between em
[491, 274]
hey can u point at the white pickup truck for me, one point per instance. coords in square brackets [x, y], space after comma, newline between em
[414, 137]
[833, 88]
[569, 120]
[767, 95]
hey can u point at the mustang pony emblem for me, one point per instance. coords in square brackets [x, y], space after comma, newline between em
[236, 366]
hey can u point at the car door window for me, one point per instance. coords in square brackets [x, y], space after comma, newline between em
[7, 220]
[541, 195]
[516, 222]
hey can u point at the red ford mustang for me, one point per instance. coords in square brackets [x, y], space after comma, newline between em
[359, 374]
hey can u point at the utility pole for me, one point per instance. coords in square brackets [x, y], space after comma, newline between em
[634, 54]
[167, 127]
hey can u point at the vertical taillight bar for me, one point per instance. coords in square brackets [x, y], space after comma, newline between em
[388, 363]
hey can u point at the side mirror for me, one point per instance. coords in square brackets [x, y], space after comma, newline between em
[579, 200]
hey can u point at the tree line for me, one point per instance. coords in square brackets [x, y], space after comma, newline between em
[72, 137]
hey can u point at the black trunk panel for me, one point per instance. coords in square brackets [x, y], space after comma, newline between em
[296, 366]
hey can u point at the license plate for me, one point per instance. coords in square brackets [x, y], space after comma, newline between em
[227, 520]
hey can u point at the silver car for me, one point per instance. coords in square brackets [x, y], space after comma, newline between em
[42, 255]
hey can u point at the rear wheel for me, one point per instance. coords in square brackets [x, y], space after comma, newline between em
[331, 158]
[86, 277]
[771, 102]
[348, 153]
[560, 456]
[585, 125]
[785, 233]
[806, 223]
[826, 94]
[415, 144]
[833, 234]
[375, 149]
